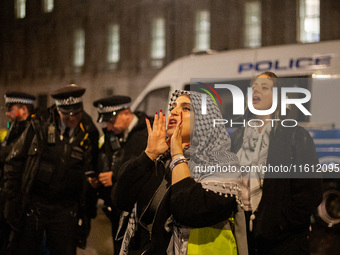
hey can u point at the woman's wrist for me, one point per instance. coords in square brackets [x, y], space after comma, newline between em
[176, 161]
[152, 156]
[176, 155]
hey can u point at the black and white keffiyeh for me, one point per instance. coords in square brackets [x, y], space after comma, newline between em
[210, 146]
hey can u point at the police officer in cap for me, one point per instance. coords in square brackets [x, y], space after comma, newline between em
[45, 175]
[125, 138]
[20, 106]
[70, 107]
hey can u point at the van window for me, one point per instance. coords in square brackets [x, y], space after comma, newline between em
[227, 98]
[155, 101]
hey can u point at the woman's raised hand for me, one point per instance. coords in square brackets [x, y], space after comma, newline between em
[156, 136]
[176, 145]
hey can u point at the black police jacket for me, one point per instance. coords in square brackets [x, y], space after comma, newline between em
[53, 171]
[14, 132]
[116, 151]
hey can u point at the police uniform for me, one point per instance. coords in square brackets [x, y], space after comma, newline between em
[117, 149]
[50, 200]
[14, 131]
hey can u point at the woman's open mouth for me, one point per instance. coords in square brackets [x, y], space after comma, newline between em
[256, 99]
[172, 122]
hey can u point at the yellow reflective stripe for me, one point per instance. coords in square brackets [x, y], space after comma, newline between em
[101, 141]
[81, 126]
[85, 137]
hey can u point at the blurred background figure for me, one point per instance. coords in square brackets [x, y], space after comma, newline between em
[19, 106]
[45, 185]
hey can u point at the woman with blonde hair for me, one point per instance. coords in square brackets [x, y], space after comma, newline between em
[277, 206]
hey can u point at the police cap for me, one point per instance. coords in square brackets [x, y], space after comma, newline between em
[68, 99]
[109, 107]
[15, 97]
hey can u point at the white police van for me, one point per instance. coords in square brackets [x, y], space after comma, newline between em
[314, 66]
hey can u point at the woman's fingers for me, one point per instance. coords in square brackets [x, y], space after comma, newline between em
[155, 122]
[178, 131]
[179, 126]
[159, 125]
[158, 120]
[158, 129]
[148, 125]
[177, 135]
[156, 136]
[163, 123]
[176, 139]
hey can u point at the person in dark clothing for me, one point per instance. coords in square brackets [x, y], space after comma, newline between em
[45, 182]
[19, 109]
[125, 138]
[182, 207]
[278, 206]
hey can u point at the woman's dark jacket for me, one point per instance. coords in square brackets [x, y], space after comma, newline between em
[138, 181]
[287, 202]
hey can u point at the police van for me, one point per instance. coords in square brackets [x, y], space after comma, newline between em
[315, 67]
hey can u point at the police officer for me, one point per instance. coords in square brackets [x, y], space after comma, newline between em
[45, 180]
[125, 138]
[19, 109]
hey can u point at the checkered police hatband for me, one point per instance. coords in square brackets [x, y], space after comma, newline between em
[18, 100]
[106, 109]
[68, 101]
